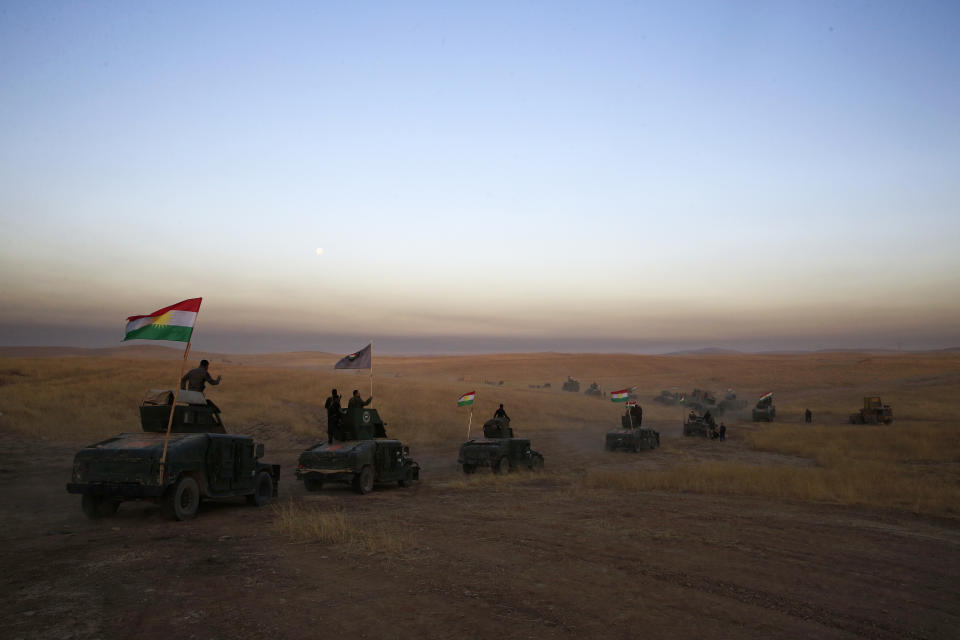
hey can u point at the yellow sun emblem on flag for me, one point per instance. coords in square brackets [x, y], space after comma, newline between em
[162, 320]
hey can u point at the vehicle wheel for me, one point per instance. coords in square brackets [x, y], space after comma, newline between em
[95, 507]
[262, 490]
[407, 479]
[502, 466]
[363, 481]
[537, 463]
[312, 483]
[469, 468]
[182, 499]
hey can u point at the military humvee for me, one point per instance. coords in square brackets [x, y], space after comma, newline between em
[571, 385]
[498, 450]
[203, 461]
[594, 390]
[765, 411]
[630, 437]
[365, 458]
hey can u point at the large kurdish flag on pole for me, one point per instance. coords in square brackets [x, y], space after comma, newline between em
[620, 396]
[466, 399]
[173, 323]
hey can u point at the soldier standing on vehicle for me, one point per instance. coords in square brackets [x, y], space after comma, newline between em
[500, 413]
[357, 402]
[332, 405]
[197, 379]
[636, 411]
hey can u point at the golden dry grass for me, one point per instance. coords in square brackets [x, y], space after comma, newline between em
[304, 523]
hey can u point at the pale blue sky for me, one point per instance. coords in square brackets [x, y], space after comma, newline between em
[755, 174]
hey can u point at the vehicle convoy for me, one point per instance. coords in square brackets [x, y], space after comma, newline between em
[765, 411]
[631, 437]
[499, 450]
[873, 412]
[202, 461]
[366, 457]
[571, 384]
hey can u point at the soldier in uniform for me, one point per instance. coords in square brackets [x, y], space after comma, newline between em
[637, 412]
[723, 431]
[332, 405]
[500, 413]
[197, 379]
[357, 401]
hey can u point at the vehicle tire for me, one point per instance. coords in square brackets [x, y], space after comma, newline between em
[502, 466]
[469, 468]
[96, 507]
[407, 479]
[182, 500]
[312, 483]
[262, 490]
[537, 463]
[363, 481]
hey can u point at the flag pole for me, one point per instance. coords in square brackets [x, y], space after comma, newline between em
[371, 368]
[469, 422]
[173, 407]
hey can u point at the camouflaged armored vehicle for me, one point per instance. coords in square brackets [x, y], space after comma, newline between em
[668, 398]
[765, 411]
[630, 437]
[702, 401]
[594, 390]
[203, 461]
[367, 456]
[571, 385]
[498, 450]
[697, 425]
[731, 403]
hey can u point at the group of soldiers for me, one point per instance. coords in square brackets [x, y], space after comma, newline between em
[335, 413]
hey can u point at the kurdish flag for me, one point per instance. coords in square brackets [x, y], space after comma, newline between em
[466, 399]
[173, 323]
[620, 396]
[768, 394]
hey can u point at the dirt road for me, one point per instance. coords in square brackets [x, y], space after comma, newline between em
[538, 557]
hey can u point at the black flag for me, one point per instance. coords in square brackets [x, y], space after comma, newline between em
[359, 360]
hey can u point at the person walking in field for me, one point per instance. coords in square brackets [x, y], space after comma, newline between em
[808, 416]
[197, 379]
[357, 402]
[723, 431]
[332, 405]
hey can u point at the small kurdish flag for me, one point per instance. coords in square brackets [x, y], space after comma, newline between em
[620, 396]
[631, 403]
[466, 399]
[768, 394]
[173, 323]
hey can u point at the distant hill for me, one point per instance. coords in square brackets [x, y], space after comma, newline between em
[706, 351]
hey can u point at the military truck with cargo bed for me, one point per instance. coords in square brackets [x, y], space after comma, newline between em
[366, 457]
[631, 437]
[499, 450]
[202, 461]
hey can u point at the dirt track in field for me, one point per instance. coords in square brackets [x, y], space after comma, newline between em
[530, 558]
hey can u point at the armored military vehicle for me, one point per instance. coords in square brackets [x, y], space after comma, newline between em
[498, 450]
[202, 461]
[702, 401]
[571, 385]
[764, 411]
[873, 412]
[631, 437]
[594, 390]
[668, 398]
[366, 457]
[731, 403]
[696, 425]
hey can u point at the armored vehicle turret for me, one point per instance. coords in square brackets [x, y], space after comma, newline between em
[765, 411]
[571, 385]
[202, 461]
[366, 456]
[499, 450]
[631, 436]
[703, 426]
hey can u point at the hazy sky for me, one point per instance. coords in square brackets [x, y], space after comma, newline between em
[502, 176]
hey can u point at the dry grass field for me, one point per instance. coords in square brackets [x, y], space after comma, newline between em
[786, 529]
